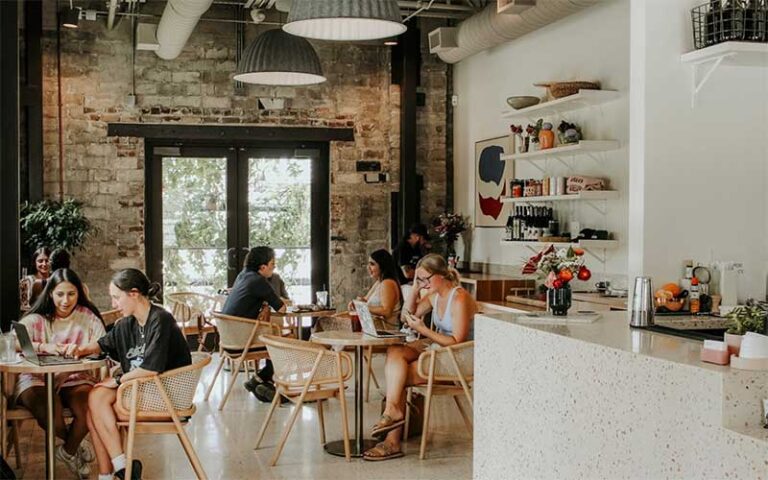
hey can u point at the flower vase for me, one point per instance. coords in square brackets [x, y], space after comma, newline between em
[559, 300]
[450, 254]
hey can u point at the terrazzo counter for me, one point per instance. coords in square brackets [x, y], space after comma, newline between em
[601, 400]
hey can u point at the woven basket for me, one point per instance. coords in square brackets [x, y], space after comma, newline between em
[564, 89]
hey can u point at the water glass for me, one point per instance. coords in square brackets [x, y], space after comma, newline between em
[322, 298]
[7, 347]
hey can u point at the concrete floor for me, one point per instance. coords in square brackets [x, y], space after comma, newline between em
[224, 442]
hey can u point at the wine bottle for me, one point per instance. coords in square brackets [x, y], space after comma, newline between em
[733, 21]
[713, 23]
[510, 228]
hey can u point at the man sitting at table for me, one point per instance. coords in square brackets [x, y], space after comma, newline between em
[250, 291]
[410, 250]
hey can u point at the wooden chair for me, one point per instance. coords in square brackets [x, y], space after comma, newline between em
[110, 317]
[192, 312]
[448, 371]
[306, 371]
[239, 344]
[161, 404]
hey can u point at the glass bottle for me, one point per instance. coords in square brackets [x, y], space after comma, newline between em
[713, 23]
[733, 21]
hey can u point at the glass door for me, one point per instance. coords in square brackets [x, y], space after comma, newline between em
[207, 206]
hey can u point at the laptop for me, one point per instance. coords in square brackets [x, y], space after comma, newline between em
[29, 351]
[366, 321]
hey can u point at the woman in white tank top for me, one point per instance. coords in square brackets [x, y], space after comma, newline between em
[453, 310]
[383, 298]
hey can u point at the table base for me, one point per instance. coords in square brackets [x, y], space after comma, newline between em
[337, 447]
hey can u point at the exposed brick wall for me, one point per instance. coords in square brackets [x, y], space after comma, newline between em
[107, 173]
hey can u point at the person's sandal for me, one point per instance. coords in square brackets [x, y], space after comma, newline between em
[385, 425]
[382, 451]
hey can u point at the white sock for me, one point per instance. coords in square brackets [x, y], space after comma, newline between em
[118, 463]
[107, 476]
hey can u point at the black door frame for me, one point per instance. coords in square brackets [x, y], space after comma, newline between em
[237, 228]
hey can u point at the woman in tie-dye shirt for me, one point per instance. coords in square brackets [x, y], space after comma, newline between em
[62, 318]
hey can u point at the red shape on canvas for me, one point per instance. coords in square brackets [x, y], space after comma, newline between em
[492, 206]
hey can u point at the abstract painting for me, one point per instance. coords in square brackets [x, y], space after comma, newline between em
[492, 176]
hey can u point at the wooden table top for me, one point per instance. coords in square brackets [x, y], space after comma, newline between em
[305, 313]
[28, 367]
[344, 338]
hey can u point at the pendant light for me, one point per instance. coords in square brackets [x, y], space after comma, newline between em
[345, 20]
[70, 17]
[277, 58]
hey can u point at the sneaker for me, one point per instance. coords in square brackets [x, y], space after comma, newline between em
[85, 451]
[135, 474]
[251, 384]
[265, 392]
[73, 462]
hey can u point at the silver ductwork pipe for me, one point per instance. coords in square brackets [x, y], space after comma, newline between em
[487, 28]
[176, 25]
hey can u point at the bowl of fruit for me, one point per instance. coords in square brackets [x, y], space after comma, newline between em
[670, 298]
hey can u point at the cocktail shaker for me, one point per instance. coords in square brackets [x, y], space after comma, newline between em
[642, 307]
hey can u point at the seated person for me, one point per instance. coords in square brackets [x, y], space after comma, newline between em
[146, 342]
[410, 250]
[453, 310]
[62, 319]
[278, 285]
[249, 292]
[32, 285]
[383, 298]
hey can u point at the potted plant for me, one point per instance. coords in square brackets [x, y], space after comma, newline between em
[54, 225]
[448, 227]
[559, 267]
[743, 319]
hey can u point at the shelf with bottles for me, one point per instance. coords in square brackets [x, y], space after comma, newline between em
[583, 99]
[582, 147]
[586, 244]
[583, 195]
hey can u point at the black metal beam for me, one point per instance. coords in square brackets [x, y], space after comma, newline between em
[408, 57]
[9, 163]
[32, 101]
[228, 133]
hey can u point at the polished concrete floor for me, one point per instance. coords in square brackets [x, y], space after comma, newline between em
[225, 440]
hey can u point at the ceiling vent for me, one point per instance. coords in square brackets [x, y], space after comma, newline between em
[442, 39]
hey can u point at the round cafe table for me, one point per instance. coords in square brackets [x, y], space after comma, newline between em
[342, 338]
[295, 317]
[48, 372]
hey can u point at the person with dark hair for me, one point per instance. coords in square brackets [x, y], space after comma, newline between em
[383, 298]
[250, 291]
[62, 319]
[146, 342]
[409, 251]
[32, 285]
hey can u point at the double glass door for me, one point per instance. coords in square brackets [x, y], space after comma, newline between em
[214, 204]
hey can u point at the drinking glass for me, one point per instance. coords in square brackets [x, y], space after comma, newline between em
[322, 298]
[7, 347]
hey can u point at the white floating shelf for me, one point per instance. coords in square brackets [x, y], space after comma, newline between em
[604, 244]
[584, 146]
[744, 54]
[583, 99]
[585, 195]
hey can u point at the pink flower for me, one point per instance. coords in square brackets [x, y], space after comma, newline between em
[549, 282]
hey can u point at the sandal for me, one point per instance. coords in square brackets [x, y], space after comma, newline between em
[385, 425]
[382, 451]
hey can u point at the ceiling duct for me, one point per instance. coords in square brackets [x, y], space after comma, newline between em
[488, 29]
[179, 19]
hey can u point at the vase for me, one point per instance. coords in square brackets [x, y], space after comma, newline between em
[546, 139]
[559, 300]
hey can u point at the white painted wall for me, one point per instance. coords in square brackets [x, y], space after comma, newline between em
[593, 44]
[703, 171]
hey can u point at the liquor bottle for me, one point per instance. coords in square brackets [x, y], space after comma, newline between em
[713, 23]
[510, 228]
[695, 303]
[733, 21]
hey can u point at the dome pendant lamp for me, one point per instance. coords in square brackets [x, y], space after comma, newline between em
[277, 58]
[345, 20]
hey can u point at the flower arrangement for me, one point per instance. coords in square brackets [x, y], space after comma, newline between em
[568, 133]
[533, 130]
[558, 266]
[448, 226]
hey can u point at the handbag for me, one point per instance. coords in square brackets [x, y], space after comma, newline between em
[416, 421]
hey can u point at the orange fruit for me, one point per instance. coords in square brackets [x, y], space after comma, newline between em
[673, 288]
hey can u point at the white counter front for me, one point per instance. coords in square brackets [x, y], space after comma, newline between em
[601, 400]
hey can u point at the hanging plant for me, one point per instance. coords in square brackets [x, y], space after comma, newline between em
[54, 225]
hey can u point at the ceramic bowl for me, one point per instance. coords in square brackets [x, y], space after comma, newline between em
[522, 102]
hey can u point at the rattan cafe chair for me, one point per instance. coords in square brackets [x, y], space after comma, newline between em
[192, 312]
[447, 371]
[239, 344]
[161, 404]
[306, 371]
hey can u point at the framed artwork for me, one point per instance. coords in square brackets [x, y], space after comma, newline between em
[492, 176]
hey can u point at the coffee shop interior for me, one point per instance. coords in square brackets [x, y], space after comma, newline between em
[277, 230]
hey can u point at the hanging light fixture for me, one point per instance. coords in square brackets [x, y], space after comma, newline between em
[70, 17]
[277, 58]
[345, 19]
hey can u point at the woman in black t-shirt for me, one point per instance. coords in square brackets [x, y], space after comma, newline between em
[147, 341]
